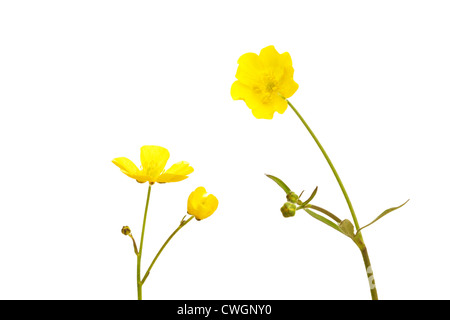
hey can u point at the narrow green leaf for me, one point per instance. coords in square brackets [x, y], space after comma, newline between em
[323, 219]
[280, 183]
[310, 198]
[385, 212]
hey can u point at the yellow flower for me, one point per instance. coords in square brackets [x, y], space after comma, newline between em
[201, 204]
[153, 161]
[264, 82]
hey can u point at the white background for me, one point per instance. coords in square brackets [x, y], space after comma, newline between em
[83, 82]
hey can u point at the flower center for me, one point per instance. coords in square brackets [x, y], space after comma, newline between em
[270, 86]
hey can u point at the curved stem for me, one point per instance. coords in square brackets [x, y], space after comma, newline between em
[360, 242]
[341, 185]
[139, 282]
[182, 224]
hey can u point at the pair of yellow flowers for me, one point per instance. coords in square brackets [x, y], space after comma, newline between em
[153, 161]
[264, 82]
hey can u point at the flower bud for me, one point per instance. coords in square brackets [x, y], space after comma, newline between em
[288, 209]
[292, 197]
[126, 230]
[201, 204]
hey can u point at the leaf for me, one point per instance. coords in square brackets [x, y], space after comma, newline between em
[385, 212]
[313, 194]
[323, 219]
[347, 228]
[280, 183]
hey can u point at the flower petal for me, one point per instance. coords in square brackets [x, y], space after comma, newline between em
[181, 168]
[260, 109]
[176, 172]
[194, 200]
[263, 113]
[286, 83]
[211, 203]
[270, 57]
[288, 88]
[279, 104]
[240, 91]
[201, 204]
[153, 160]
[126, 165]
[249, 69]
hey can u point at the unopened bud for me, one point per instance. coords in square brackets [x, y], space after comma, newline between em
[288, 209]
[292, 197]
[126, 230]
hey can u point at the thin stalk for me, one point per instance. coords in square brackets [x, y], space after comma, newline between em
[139, 282]
[373, 290]
[182, 224]
[341, 185]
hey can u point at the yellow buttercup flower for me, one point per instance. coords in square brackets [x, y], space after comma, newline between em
[153, 161]
[201, 204]
[264, 82]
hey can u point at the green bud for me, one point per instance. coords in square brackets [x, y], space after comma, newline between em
[292, 197]
[126, 230]
[288, 209]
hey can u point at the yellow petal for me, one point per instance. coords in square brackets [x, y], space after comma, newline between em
[240, 91]
[126, 165]
[164, 178]
[270, 57]
[279, 104]
[260, 109]
[181, 168]
[211, 205]
[176, 172]
[288, 88]
[153, 160]
[194, 200]
[263, 113]
[286, 83]
[201, 205]
[249, 69]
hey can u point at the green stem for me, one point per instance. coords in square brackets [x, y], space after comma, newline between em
[341, 185]
[363, 249]
[373, 289]
[139, 282]
[182, 224]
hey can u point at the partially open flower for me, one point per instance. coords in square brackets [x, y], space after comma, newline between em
[153, 161]
[201, 204]
[264, 82]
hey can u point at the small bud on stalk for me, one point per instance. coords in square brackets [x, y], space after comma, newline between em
[288, 209]
[292, 197]
[126, 230]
